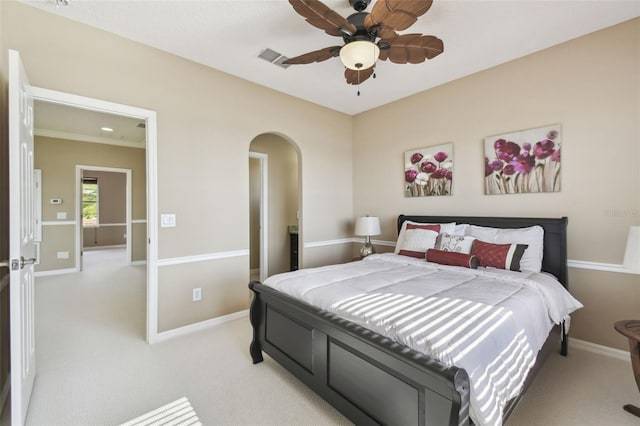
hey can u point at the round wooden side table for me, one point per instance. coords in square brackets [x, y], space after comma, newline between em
[631, 330]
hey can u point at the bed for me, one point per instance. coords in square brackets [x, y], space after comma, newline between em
[374, 379]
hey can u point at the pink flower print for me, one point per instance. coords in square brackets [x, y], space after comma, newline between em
[556, 155]
[508, 151]
[410, 175]
[440, 156]
[543, 149]
[487, 167]
[552, 135]
[498, 144]
[416, 157]
[509, 169]
[428, 167]
[438, 174]
[496, 165]
[523, 163]
[526, 146]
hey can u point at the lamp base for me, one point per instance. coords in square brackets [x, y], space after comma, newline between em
[367, 249]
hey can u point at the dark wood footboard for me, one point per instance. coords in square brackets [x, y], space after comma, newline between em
[367, 377]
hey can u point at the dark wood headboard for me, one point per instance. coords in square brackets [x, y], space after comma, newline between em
[554, 258]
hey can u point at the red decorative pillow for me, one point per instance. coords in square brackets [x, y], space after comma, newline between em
[429, 227]
[452, 258]
[502, 256]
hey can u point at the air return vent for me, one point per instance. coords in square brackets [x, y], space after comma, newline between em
[274, 57]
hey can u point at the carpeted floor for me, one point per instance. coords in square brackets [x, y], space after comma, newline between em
[94, 367]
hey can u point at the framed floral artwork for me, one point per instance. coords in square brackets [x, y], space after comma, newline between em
[428, 171]
[527, 161]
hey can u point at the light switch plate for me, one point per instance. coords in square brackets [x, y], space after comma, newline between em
[61, 215]
[167, 220]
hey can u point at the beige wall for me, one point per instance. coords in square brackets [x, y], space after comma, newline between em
[207, 119]
[57, 158]
[206, 122]
[590, 85]
[283, 196]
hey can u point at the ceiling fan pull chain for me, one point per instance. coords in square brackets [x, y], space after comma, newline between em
[358, 82]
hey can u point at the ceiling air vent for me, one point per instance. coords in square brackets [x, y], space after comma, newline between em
[274, 57]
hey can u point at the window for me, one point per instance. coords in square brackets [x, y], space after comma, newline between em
[89, 202]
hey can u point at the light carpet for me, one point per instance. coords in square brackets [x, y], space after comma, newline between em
[94, 367]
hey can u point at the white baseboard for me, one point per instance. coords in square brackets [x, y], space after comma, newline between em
[600, 349]
[55, 272]
[112, 246]
[199, 326]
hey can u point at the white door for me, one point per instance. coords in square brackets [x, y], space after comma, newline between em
[22, 227]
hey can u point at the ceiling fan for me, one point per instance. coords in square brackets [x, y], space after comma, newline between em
[361, 30]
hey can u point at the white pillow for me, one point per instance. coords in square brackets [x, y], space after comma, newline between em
[416, 242]
[533, 236]
[460, 228]
[447, 228]
[455, 243]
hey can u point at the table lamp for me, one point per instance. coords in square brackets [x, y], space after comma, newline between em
[367, 226]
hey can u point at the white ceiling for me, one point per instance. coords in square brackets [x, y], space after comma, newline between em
[229, 35]
[71, 123]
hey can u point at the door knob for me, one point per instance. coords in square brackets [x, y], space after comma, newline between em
[24, 261]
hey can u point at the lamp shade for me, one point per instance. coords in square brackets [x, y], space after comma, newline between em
[368, 225]
[359, 55]
[632, 253]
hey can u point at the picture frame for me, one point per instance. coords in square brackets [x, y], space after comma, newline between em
[429, 171]
[526, 161]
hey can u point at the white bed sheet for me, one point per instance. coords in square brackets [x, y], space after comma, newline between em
[490, 322]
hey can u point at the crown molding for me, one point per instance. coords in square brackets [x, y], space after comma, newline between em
[86, 138]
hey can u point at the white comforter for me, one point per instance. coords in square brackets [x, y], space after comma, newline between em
[490, 322]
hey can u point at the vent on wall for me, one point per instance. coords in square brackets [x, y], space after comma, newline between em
[274, 57]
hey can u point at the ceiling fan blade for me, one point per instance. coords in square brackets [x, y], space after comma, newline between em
[412, 48]
[315, 56]
[397, 14]
[357, 77]
[321, 16]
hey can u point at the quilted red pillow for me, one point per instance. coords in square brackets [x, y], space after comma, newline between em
[502, 256]
[453, 258]
[429, 227]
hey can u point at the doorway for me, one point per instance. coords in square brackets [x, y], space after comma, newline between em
[148, 118]
[258, 215]
[103, 197]
[274, 168]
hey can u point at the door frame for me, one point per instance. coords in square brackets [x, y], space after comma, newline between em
[79, 229]
[92, 104]
[264, 212]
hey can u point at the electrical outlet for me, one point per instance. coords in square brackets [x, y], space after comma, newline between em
[197, 294]
[63, 255]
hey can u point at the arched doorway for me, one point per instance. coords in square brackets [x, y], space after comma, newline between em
[274, 188]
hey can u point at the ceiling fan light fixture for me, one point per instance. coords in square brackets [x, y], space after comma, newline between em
[359, 54]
